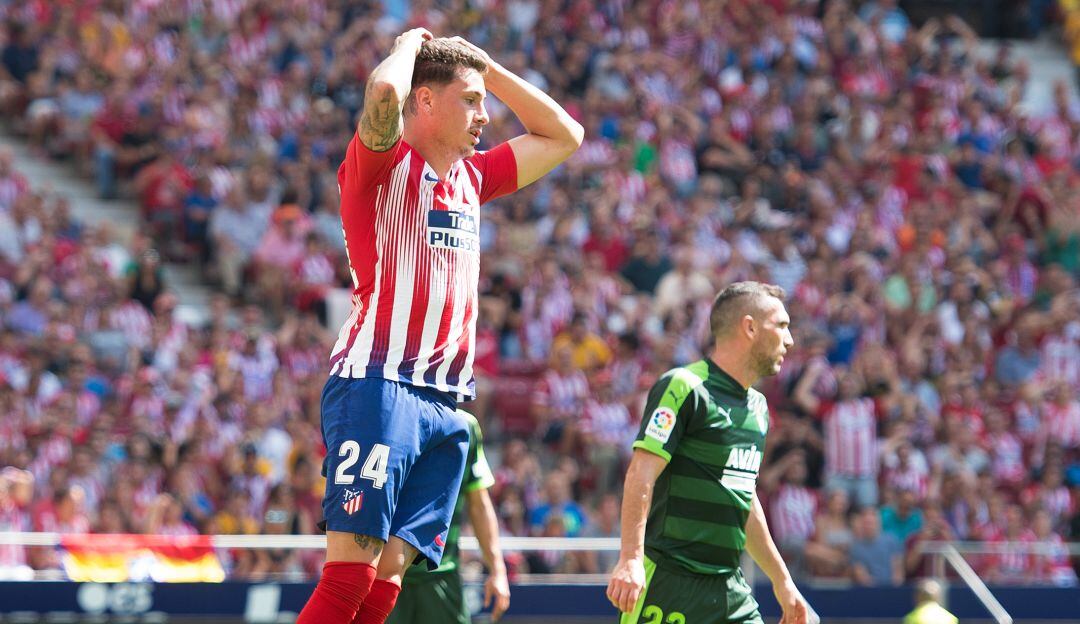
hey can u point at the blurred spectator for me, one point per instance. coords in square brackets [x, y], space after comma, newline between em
[604, 430]
[934, 528]
[827, 551]
[647, 265]
[558, 507]
[166, 517]
[850, 425]
[792, 511]
[1052, 565]
[1015, 564]
[16, 491]
[681, 286]
[604, 523]
[876, 557]
[588, 351]
[902, 518]
[12, 183]
[560, 397]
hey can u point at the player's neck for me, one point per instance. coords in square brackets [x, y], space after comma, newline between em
[735, 364]
[436, 155]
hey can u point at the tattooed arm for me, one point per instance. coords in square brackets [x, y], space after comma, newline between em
[386, 91]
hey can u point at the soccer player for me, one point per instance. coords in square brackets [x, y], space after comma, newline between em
[436, 596]
[411, 187]
[689, 508]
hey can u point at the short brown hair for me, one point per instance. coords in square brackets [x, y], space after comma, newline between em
[738, 300]
[440, 59]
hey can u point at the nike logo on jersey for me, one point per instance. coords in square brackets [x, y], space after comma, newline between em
[430, 178]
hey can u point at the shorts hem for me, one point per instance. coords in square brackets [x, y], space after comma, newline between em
[433, 555]
[382, 534]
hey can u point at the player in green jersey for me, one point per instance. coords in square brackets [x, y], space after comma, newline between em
[436, 596]
[689, 508]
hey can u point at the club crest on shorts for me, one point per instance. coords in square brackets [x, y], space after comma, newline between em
[354, 500]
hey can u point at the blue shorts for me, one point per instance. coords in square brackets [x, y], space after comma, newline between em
[395, 455]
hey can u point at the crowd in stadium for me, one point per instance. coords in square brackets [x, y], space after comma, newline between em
[924, 224]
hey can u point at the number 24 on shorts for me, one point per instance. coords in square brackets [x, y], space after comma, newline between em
[374, 468]
[655, 615]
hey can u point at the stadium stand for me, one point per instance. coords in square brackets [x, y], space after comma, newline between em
[926, 228]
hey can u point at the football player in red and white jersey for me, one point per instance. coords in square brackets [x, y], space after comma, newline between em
[411, 187]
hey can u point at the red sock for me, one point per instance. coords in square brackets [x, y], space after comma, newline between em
[378, 604]
[338, 595]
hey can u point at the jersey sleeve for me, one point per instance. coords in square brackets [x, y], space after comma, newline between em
[478, 475]
[498, 172]
[364, 168]
[669, 410]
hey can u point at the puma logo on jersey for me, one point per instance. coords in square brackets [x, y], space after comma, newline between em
[740, 471]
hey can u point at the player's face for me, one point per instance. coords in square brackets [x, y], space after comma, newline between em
[463, 115]
[773, 338]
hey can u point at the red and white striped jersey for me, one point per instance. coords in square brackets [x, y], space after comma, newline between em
[792, 513]
[134, 321]
[414, 253]
[608, 422]
[1061, 358]
[851, 445]
[13, 519]
[1061, 423]
[1015, 564]
[1052, 566]
[1056, 501]
[11, 187]
[910, 478]
[565, 395]
[1006, 457]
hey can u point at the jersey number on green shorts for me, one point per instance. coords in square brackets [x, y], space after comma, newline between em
[655, 615]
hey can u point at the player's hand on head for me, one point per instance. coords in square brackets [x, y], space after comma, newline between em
[497, 595]
[416, 36]
[627, 582]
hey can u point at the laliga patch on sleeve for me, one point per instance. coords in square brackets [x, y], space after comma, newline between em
[661, 423]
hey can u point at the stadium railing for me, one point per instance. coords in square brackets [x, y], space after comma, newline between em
[948, 562]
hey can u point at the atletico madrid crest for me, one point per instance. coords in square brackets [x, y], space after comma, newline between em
[354, 500]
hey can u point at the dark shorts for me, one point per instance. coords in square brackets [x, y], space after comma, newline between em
[678, 597]
[436, 600]
[395, 454]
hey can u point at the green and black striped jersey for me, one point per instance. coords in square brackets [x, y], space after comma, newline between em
[478, 476]
[712, 432]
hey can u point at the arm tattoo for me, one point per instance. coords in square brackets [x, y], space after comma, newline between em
[369, 543]
[380, 125]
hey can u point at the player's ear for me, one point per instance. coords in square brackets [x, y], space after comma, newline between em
[424, 99]
[749, 326]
